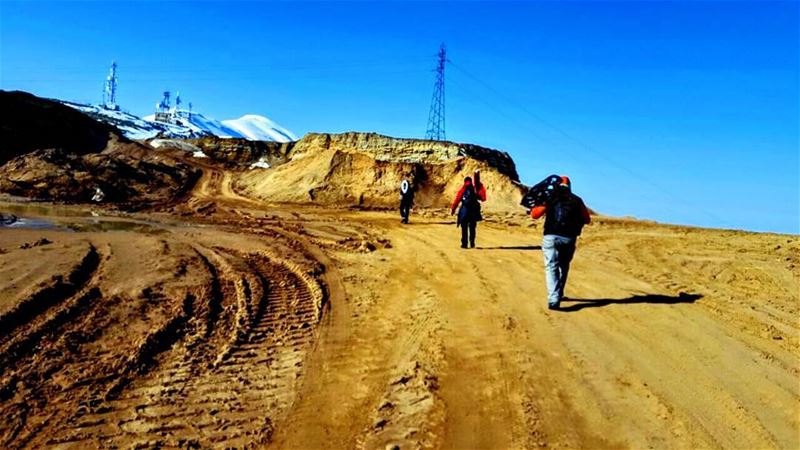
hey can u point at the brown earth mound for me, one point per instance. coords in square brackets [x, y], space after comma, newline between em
[61, 176]
[29, 123]
[366, 169]
[53, 152]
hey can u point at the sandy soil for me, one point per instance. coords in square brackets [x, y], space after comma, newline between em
[225, 322]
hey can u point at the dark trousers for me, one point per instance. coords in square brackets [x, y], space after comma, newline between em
[468, 230]
[405, 210]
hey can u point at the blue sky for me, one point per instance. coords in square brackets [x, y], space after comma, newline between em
[681, 112]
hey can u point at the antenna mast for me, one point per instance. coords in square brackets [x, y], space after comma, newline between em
[110, 89]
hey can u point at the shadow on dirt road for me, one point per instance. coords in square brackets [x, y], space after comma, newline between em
[580, 304]
[512, 247]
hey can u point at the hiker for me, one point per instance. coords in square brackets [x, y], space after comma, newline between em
[406, 200]
[469, 214]
[566, 215]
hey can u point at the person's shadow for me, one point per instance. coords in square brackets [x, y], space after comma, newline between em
[512, 247]
[578, 304]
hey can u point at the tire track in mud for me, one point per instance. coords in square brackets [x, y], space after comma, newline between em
[346, 357]
[48, 310]
[209, 311]
[57, 291]
[230, 394]
[25, 376]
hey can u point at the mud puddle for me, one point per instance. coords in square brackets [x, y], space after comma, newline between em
[114, 225]
[12, 221]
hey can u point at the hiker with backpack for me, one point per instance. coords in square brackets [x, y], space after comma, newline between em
[406, 200]
[565, 215]
[469, 213]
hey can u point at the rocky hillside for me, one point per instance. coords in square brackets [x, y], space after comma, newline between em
[365, 169]
[54, 152]
[125, 173]
[30, 123]
[242, 152]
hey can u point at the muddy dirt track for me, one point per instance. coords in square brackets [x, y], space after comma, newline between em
[222, 322]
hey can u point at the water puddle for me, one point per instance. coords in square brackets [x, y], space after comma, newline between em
[114, 225]
[79, 224]
[25, 222]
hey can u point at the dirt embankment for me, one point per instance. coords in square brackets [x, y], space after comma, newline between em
[366, 169]
[53, 152]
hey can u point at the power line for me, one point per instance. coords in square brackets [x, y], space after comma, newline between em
[472, 96]
[313, 74]
[499, 111]
[585, 145]
[306, 64]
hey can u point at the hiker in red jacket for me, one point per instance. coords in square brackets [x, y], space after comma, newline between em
[469, 214]
[566, 214]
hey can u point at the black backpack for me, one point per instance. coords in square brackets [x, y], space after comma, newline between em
[564, 215]
[469, 198]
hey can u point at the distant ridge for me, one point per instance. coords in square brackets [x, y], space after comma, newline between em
[195, 125]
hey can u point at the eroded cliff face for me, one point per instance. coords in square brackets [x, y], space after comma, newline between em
[241, 152]
[366, 169]
[389, 149]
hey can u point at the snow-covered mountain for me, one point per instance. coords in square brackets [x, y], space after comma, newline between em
[198, 124]
[255, 127]
[186, 126]
[134, 127]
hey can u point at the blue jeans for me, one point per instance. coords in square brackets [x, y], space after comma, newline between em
[558, 252]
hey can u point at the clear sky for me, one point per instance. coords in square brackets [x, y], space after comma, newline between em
[681, 112]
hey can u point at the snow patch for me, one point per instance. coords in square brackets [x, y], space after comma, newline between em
[199, 154]
[260, 164]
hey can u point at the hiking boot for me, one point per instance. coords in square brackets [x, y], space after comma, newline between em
[553, 306]
[463, 246]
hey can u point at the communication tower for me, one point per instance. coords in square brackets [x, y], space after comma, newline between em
[110, 89]
[162, 109]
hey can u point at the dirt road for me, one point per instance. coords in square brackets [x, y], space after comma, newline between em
[224, 322]
[441, 347]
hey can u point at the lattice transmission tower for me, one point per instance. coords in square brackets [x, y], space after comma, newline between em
[436, 116]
